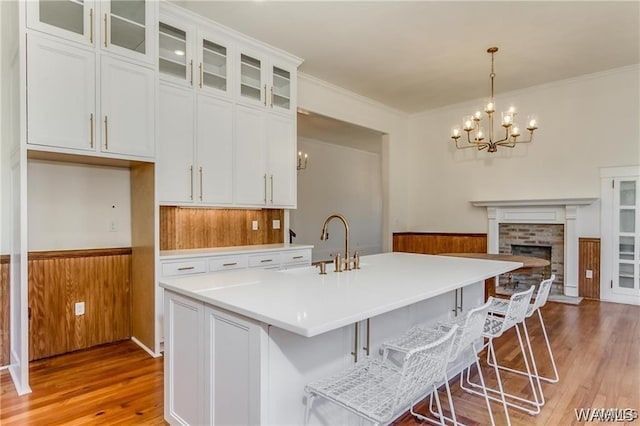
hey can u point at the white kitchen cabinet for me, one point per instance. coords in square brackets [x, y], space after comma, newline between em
[61, 91]
[264, 159]
[620, 216]
[175, 157]
[127, 107]
[122, 27]
[176, 50]
[214, 63]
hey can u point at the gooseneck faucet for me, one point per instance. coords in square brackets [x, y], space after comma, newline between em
[325, 236]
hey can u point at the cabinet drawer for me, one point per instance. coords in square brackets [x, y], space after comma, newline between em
[227, 263]
[296, 256]
[266, 261]
[184, 268]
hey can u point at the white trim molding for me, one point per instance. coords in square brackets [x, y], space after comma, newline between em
[563, 211]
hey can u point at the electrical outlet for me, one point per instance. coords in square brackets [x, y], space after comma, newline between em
[80, 308]
[276, 224]
[113, 225]
[254, 225]
[588, 273]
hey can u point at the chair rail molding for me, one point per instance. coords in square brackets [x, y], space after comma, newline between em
[563, 211]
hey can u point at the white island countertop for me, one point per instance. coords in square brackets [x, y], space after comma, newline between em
[304, 302]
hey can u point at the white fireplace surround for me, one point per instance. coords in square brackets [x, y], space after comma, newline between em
[551, 211]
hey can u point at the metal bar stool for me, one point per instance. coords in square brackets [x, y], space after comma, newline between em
[495, 326]
[499, 306]
[378, 390]
[470, 329]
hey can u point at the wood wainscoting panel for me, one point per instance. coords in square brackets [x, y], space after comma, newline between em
[5, 343]
[101, 280]
[143, 240]
[589, 259]
[190, 228]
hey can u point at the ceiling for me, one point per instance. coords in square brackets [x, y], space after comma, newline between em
[419, 55]
[326, 129]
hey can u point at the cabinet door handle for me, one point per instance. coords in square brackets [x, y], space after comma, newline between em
[265, 188]
[266, 260]
[191, 182]
[265, 95]
[191, 72]
[271, 189]
[355, 344]
[105, 30]
[368, 344]
[106, 133]
[461, 297]
[91, 129]
[201, 74]
[230, 264]
[200, 183]
[455, 303]
[91, 25]
[297, 257]
[271, 96]
[186, 268]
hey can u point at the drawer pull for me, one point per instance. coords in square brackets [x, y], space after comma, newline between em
[186, 268]
[230, 264]
[266, 260]
[297, 257]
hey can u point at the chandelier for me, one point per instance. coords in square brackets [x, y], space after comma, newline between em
[471, 124]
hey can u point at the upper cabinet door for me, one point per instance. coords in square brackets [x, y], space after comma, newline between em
[71, 19]
[61, 98]
[176, 52]
[252, 84]
[214, 64]
[128, 28]
[127, 108]
[281, 89]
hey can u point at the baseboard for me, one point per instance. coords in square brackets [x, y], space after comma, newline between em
[145, 348]
[21, 388]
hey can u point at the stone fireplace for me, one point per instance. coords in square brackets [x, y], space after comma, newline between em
[539, 223]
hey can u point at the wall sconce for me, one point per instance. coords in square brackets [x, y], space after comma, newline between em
[303, 159]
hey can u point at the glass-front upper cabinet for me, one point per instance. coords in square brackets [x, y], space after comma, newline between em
[127, 28]
[175, 53]
[253, 87]
[214, 65]
[71, 19]
[280, 92]
[627, 235]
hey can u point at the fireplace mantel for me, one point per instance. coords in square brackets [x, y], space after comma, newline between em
[540, 211]
[536, 203]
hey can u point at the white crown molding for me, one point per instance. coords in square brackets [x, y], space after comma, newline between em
[543, 86]
[619, 171]
[344, 92]
[539, 202]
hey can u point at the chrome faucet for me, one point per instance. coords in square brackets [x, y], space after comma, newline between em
[325, 236]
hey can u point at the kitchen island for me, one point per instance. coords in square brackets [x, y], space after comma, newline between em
[241, 345]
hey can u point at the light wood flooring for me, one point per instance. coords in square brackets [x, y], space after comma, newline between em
[597, 348]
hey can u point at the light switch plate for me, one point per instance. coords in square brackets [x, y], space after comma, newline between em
[254, 225]
[80, 308]
[276, 224]
[589, 273]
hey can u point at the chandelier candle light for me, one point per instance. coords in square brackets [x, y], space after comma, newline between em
[303, 159]
[471, 123]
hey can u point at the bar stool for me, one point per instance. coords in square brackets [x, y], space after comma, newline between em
[495, 326]
[499, 306]
[470, 329]
[378, 390]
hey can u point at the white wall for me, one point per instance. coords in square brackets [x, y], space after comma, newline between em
[332, 101]
[341, 180]
[71, 206]
[585, 123]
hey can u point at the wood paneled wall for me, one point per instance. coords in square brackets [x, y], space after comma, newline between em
[589, 258]
[57, 280]
[5, 343]
[435, 243]
[188, 228]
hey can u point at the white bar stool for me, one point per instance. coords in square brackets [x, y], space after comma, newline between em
[495, 326]
[378, 390]
[470, 329]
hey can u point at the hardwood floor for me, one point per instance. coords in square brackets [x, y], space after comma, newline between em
[597, 348]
